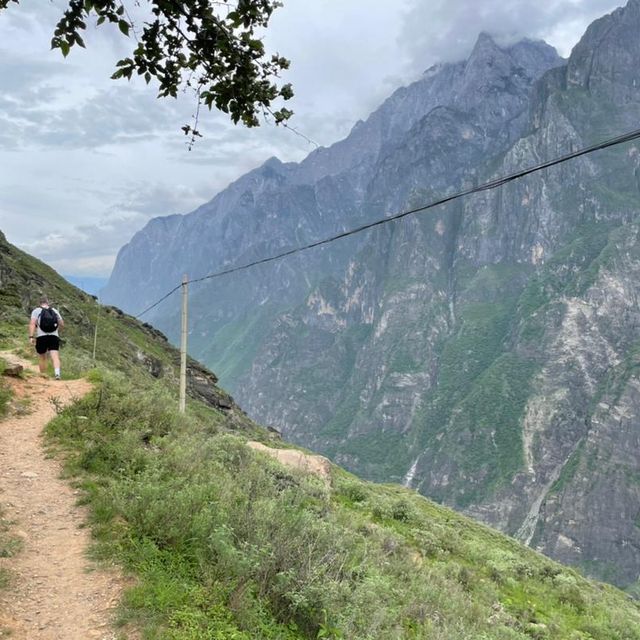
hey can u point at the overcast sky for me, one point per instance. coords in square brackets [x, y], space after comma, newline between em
[85, 161]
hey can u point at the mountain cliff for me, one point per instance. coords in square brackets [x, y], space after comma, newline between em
[485, 353]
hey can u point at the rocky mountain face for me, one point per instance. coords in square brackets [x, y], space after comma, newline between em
[485, 353]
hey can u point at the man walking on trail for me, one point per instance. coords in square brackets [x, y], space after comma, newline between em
[43, 329]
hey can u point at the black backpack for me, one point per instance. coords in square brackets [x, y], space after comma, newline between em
[48, 320]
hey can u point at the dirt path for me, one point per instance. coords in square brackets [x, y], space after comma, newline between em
[55, 593]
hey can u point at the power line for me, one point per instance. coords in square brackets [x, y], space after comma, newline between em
[293, 129]
[486, 186]
[155, 304]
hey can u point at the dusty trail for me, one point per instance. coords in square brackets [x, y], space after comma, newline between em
[55, 593]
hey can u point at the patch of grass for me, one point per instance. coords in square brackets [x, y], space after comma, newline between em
[9, 546]
[569, 470]
[5, 391]
[5, 397]
[5, 579]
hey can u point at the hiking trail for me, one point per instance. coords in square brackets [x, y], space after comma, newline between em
[55, 592]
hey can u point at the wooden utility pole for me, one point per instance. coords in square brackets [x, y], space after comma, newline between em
[183, 346]
[95, 331]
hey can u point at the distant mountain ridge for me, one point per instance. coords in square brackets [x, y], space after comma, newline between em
[324, 187]
[486, 353]
[88, 284]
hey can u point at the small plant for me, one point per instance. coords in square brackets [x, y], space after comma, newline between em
[403, 511]
[327, 631]
[57, 404]
[23, 406]
[570, 592]
[5, 397]
[9, 546]
[354, 491]
[95, 375]
[5, 391]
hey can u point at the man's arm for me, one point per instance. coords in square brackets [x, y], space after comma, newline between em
[60, 320]
[32, 328]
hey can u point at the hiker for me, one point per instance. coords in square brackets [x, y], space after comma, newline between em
[43, 329]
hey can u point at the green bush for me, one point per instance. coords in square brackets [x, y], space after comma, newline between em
[353, 491]
[9, 546]
[5, 396]
[5, 392]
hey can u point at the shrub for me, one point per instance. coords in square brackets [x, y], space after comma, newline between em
[5, 396]
[353, 491]
[5, 392]
[569, 592]
[403, 511]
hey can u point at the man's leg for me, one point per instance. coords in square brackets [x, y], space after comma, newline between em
[41, 350]
[55, 358]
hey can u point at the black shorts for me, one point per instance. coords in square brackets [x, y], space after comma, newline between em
[47, 343]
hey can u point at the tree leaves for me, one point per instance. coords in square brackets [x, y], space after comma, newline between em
[123, 25]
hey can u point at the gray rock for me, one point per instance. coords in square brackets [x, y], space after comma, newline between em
[13, 370]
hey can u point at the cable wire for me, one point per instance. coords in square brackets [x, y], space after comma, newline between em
[155, 304]
[486, 186]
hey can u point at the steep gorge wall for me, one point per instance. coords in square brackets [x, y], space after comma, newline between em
[485, 353]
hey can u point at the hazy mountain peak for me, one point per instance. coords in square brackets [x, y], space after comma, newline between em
[485, 39]
[274, 162]
[485, 45]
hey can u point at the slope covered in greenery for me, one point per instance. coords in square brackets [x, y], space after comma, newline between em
[224, 542]
[122, 344]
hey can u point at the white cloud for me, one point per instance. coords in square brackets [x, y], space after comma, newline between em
[445, 30]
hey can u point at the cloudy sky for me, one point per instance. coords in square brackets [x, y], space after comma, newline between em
[85, 161]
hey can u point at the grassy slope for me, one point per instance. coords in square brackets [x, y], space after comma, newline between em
[123, 343]
[5, 392]
[225, 543]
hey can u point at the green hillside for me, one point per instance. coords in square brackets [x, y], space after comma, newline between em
[225, 543]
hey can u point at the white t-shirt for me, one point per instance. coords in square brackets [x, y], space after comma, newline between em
[35, 315]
